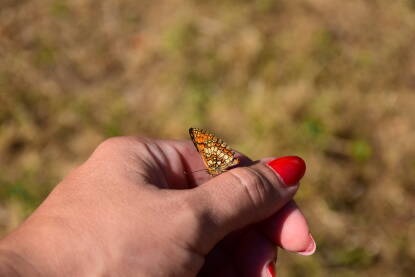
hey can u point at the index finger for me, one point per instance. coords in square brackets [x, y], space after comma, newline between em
[189, 166]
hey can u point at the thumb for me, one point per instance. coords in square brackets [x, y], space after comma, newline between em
[246, 195]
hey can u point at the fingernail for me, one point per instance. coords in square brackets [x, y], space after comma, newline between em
[311, 248]
[291, 169]
[271, 270]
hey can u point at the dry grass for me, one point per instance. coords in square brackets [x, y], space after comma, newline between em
[332, 81]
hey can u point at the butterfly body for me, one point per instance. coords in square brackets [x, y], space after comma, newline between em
[215, 153]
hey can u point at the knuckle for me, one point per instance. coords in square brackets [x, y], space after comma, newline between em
[253, 183]
[110, 148]
[111, 143]
[118, 143]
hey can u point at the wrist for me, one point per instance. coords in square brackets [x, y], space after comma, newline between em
[12, 264]
[45, 247]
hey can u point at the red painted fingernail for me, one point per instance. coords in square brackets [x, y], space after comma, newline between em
[271, 269]
[291, 169]
[311, 248]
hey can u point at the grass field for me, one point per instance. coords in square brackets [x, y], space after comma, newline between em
[331, 81]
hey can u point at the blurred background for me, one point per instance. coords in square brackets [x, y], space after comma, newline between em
[331, 81]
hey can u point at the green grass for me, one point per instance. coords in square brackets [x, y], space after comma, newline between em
[330, 81]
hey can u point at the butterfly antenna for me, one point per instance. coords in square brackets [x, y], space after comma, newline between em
[187, 173]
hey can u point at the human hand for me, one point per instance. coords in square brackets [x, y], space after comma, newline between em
[130, 210]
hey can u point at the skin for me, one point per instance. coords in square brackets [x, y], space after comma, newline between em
[130, 210]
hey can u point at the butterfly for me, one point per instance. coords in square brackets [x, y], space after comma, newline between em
[216, 154]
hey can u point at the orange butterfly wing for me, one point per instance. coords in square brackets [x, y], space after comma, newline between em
[216, 154]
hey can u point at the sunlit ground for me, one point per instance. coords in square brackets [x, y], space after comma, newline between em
[331, 81]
